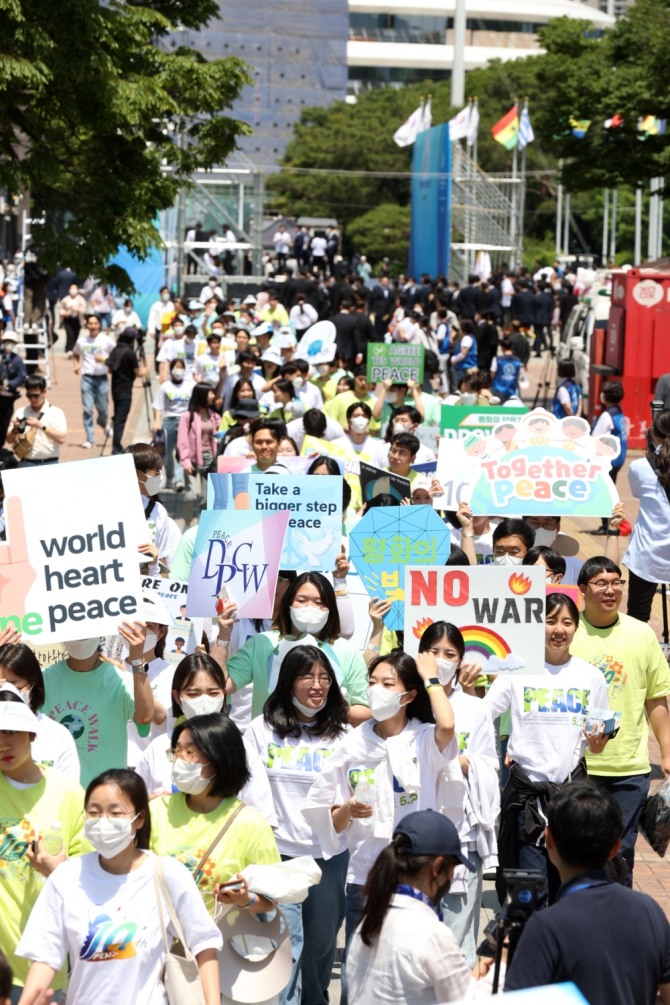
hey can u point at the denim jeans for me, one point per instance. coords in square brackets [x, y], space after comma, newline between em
[314, 925]
[17, 991]
[630, 791]
[94, 391]
[173, 469]
[353, 909]
[461, 911]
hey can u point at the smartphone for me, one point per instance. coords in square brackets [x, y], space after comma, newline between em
[232, 885]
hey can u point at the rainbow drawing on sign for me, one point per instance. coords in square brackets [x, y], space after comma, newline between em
[484, 642]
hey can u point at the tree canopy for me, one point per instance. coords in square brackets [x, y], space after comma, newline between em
[102, 125]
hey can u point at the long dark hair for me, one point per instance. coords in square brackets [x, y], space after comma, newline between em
[405, 667]
[133, 787]
[189, 668]
[235, 393]
[279, 711]
[660, 461]
[395, 864]
[21, 660]
[199, 400]
[283, 622]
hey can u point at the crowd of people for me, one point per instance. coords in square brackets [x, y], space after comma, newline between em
[139, 793]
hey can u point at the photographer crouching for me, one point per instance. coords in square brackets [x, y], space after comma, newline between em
[613, 942]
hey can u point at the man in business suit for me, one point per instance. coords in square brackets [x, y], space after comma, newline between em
[543, 306]
[382, 302]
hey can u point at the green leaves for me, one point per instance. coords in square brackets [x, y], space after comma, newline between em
[101, 126]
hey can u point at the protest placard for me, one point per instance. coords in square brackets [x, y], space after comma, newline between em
[550, 994]
[313, 447]
[454, 471]
[183, 632]
[313, 502]
[547, 467]
[457, 421]
[236, 557]
[499, 610]
[70, 568]
[390, 537]
[376, 481]
[397, 361]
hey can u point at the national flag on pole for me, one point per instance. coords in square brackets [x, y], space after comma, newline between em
[506, 130]
[651, 126]
[614, 122]
[419, 120]
[459, 126]
[526, 134]
[473, 126]
[579, 127]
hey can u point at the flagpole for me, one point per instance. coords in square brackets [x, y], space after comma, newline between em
[638, 226]
[458, 61]
[467, 222]
[522, 195]
[659, 220]
[475, 227]
[651, 234]
[566, 225]
[606, 210]
[514, 221]
[559, 208]
[613, 228]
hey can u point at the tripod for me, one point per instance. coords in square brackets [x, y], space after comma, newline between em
[510, 926]
[546, 381]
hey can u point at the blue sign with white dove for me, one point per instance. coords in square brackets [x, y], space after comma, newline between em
[387, 539]
[314, 503]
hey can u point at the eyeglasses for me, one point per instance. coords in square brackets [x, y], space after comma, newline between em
[306, 678]
[602, 585]
[185, 753]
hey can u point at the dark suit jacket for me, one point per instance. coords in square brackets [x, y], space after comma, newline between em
[522, 308]
[468, 302]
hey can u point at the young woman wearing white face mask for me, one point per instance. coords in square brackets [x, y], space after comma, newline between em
[303, 721]
[102, 909]
[386, 768]
[198, 689]
[357, 440]
[169, 405]
[478, 760]
[209, 767]
[160, 673]
[308, 615]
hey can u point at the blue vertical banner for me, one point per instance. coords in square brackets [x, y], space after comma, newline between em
[430, 236]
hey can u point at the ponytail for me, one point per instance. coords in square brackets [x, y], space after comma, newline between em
[392, 866]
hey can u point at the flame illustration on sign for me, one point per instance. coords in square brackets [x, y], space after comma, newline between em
[420, 627]
[519, 584]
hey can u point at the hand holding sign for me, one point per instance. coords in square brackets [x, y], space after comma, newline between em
[16, 573]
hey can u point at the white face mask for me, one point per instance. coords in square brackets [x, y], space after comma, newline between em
[165, 297]
[323, 369]
[468, 398]
[177, 376]
[298, 382]
[359, 423]
[82, 648]
[400, 427]
[127, 310]
[152, 485]
[545, 537]
[309, 619]
[150, 642]
[178, 329]
[306, 710]
[383, 702]
[204, 704]
[446, 670]
[110, 836]
[187, 776]
[507, 560]
[395, 399]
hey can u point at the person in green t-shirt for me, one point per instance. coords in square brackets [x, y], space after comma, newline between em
[630, 658]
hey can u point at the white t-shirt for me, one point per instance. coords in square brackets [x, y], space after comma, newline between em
[648, 554]
[154, 767]
[370, 450]
[318, 246]
[207, 368]
[548, 713]
[96, 917]
[179, 348]
[172, 399]
[54, 747]
[292, 765]
[296, 430]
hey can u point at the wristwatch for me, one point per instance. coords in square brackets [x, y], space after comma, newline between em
[139, 666]
[432, 682]
[44, 426]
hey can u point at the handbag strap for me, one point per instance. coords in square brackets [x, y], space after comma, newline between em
[163, 897]
[198, 868]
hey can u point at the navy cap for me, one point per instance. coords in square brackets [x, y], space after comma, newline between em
[431, 833]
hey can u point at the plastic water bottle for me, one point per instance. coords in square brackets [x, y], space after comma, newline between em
[365, 793]
[52, 842]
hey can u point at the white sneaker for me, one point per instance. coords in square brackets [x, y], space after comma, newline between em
[108, 429]
[87, 445]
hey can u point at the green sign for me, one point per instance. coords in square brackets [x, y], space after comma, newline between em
[458, 421]
[398, 362]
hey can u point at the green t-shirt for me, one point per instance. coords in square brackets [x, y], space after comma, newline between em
[185, 835]
[635, 669]
[251, 664]
[337, 409]
[96, 708]
[26, 814]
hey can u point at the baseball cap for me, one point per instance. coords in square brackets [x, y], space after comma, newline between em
[9, 336]
[430, 833]
[195, 305]
[271, 355]
[263, 329]
[251, 299]
[246, 408]
[16, 715]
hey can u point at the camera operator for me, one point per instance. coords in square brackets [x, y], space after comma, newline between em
[614, 943]
[45, 424]
[124, 367]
